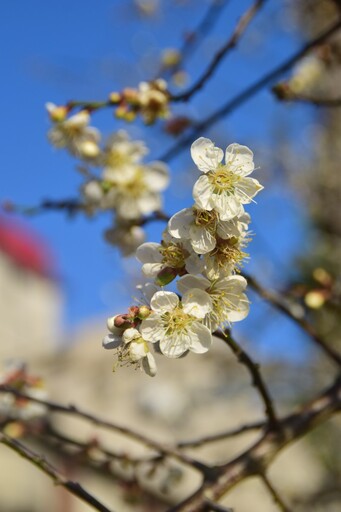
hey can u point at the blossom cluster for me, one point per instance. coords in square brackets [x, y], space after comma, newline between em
[202, 246]
[18, 409]
[150, 100]
[127, 186]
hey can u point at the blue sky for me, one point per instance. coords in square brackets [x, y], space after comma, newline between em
[57, 51]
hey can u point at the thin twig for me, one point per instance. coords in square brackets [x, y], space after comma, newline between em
[284, 305]
[75, 411]
[215, 507]
[39, 461]
[194, 443]
[257, 379]
[248, 93]
[231, 43]
[311, 100]
[192, 40]
[276, 497]
[259, 456]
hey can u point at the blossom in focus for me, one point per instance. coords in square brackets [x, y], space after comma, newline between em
[75, 134]
[226, 257]
[177, 325]
[171, 256]
[223, 187]
[229, 302]
[203, 227]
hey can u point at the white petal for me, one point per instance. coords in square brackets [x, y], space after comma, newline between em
[151, 328]
[149, 365]
[202, 240]
[227, 206]
[202, 193]
[148, 202]
[151, 269]
[246, 189]
[189, 281]
[111, 341]
[241, 311]
[231, 284]
[137, 351]
[164, 301]
[201, 338]
[130, 335]
[196, 302]
[194, 265]
[205, 155]
[175, 345]
[240, 158]
[178, 225]
[226, 229]
[149, 252]
[156, 176]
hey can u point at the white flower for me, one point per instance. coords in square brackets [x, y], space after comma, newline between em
[223, 187]
[120, 151]
[125, 236]
[171, 254]
[226, 257]
[229, 303]
[75, 135]
[178, 325]
[202, 227]
[135, 190]
[130, 348]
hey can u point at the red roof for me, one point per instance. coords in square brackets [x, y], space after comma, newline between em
[25, 248]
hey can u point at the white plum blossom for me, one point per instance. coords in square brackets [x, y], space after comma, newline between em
[135, 190]
[173, 255]
[226, 257]
[75, 134]
[121, 152]
[223, 187]
[203, 227]
[229, 303]
[130, 348]
[177, 325]
[127, 237]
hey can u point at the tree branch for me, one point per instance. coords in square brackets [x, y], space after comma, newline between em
[232, 42]
[257, 379]
[39, 461]
[258, 457]
[284, 305]
[275, 496]
[248, 93]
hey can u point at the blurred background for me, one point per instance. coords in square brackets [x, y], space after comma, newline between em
[60, 280]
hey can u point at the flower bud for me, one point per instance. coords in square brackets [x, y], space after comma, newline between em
[114, 97]
[144, 312]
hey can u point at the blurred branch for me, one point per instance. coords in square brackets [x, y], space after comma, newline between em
[257, 379]
[282, 304]
[232, 42]
[214, 507]
[75, 411]
[71, 206]
[276, 497]
[248, 93]
[259, 456]
[58, 479]
[257, 425]
[289, 96]
[192, 40]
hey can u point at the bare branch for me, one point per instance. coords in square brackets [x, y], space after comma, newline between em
[276, 497]
[311, 100]
[75, 411]
[194, 443]
[248, 93]
[215, 507]
[257, 379]
[39, 461]
[287, 308]
[232, 42]
[259, 456]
